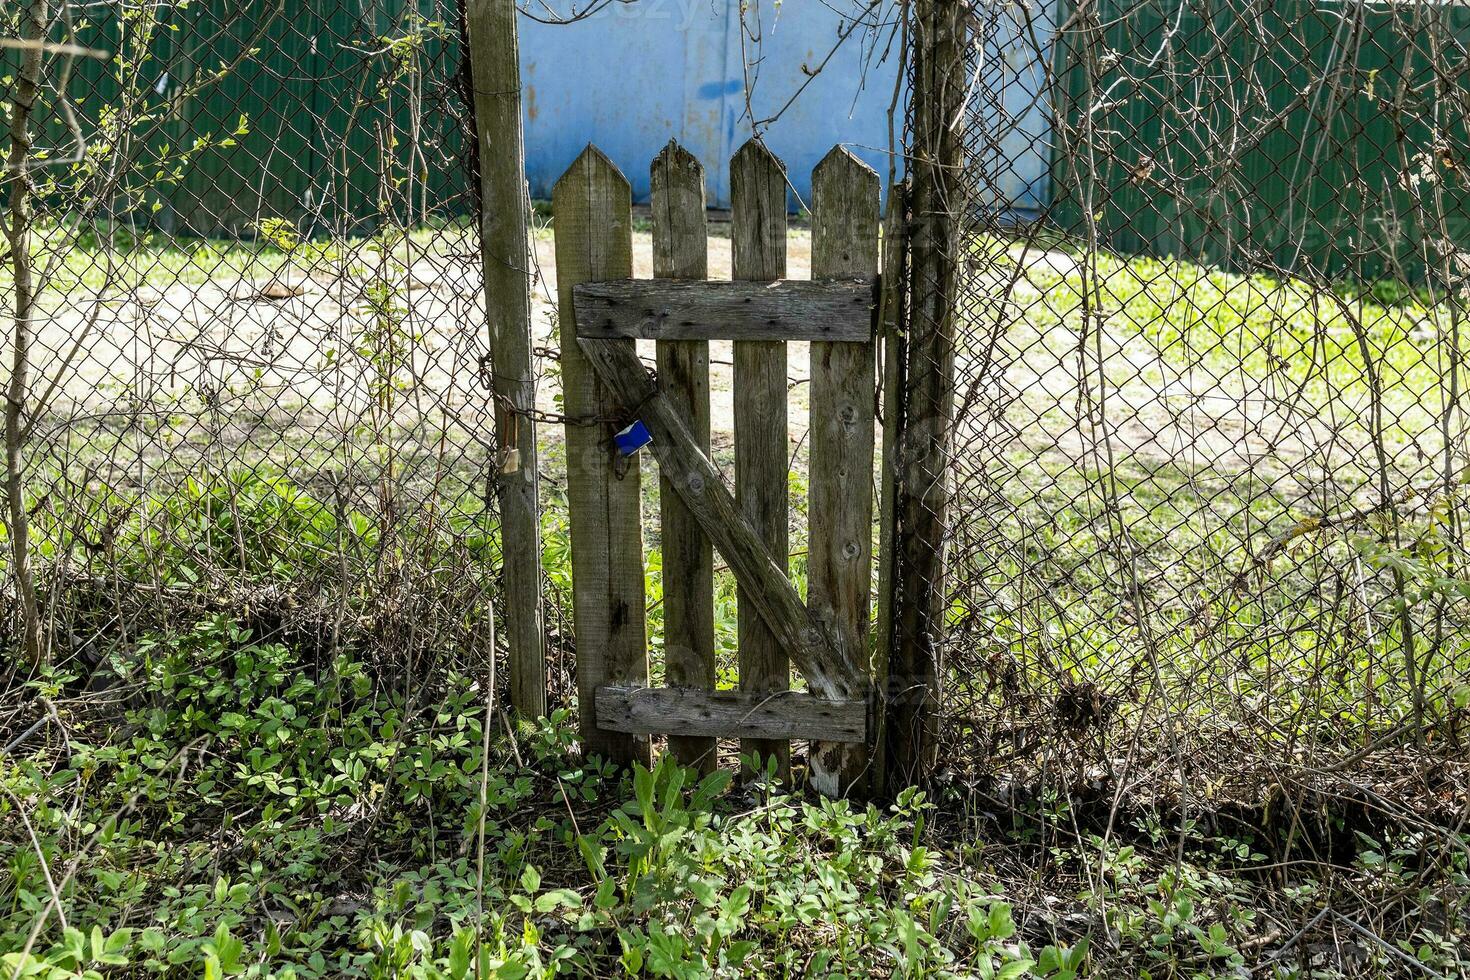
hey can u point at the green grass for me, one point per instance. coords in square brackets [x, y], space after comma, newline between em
[115, 260]
[1275, 336]
[355, 819]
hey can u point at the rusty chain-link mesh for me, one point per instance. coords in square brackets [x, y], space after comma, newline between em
[259, 370]
[1208, 461]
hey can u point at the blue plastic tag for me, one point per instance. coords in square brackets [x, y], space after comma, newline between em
[632, 439]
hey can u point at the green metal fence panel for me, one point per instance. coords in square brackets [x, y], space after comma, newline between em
[267, 170]
[1303, 156]
[336, 115]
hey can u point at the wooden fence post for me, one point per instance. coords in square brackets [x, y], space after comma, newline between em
[681, 251]
[840, 512]
[922, 497]
[505, 253]
[891, 321]
[594, 241]
[758, 203]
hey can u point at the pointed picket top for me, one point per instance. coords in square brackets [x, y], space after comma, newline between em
[844, 216]
[675, 156]
[680, 250]
[592, 164]
[754, 153]
[758, 212]
[846, 162]
[593, 205]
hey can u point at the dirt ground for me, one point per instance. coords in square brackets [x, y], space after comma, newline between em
[320, 337]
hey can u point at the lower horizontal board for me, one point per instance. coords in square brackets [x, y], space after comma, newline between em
[730, 714]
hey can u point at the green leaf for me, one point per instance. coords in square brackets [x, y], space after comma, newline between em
[112, 951]
[1015, 968]
[530, 879]
[1002, 926]
[461, 954]
[607, 893]
[74, 945]
[23, 965]
[558, 898]
[227, 948]
[643, 788]
[704, 892]
[632, 958]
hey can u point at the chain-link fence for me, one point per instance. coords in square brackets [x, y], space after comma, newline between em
[1206, 493]
[1203, 507]
[258, 363]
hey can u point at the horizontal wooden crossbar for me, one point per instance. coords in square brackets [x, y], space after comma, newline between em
[670, 309]
[730, 714]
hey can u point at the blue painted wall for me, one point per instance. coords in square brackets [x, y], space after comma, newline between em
[635, 75]
[1011, 144]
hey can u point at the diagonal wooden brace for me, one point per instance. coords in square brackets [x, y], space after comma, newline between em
[831, 670]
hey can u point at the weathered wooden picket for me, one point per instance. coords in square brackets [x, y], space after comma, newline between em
[604, 311]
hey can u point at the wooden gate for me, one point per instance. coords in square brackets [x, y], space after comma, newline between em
[604, 312]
